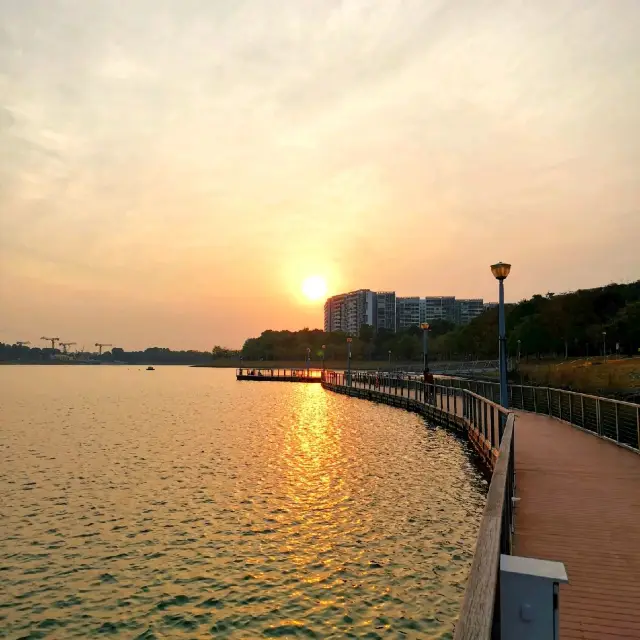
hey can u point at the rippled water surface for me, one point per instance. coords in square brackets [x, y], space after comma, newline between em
[181, 503]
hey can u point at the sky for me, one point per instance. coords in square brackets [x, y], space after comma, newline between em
[172, 170]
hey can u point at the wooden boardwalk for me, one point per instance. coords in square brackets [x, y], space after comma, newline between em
[579, 503]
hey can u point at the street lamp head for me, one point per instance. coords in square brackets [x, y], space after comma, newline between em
[389, 351]
[500, 270]
[324, 346]
[425, 326]
[604, 333]
[349, 339]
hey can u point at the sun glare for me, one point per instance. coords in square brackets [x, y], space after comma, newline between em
[314, 288]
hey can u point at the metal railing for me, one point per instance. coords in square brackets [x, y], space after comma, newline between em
[479, 617]
[615, 420]
[490, 427]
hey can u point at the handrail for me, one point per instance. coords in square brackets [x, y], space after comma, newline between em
[533, 386]
[491, 429]
[478, 619]
[497, 406]
[615, 420]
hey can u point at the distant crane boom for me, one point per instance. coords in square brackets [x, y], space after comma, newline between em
[100, 345]
[52, 341]
[64, 346]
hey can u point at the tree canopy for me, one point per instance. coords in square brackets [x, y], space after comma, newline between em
[569, 324]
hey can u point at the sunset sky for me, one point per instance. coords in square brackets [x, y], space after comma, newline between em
[172, 170]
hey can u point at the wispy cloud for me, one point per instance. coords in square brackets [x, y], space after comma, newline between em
[200, 151]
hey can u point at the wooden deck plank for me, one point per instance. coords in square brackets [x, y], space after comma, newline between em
[580, 504]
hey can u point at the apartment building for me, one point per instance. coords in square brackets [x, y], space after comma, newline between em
[386, 310]
[347, 312]
[407, 312]
[333, 313]
[468, 309]
[437, 308]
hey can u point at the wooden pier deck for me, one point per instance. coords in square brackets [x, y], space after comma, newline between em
[264, 374]
[578, 502]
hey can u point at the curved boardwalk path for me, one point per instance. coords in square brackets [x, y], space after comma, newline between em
[579, 503]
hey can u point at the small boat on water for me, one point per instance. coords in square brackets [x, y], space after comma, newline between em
[150, 368]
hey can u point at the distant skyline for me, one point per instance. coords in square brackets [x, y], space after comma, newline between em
[171, 172]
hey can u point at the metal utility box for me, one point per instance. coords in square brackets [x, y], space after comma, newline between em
[529, 598]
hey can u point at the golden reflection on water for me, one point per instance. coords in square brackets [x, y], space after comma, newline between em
[313, 479]
[189, 503]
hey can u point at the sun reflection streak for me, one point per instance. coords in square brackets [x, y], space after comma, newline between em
[313, 463]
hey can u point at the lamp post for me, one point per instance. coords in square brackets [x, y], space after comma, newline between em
[324, 346]
[349, 341]
[500, 272]
[425, 349]
[604, 345]
[389, 359]
[308, 359]
[518, 351]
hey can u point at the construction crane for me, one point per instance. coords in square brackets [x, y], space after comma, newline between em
[100, 345]
[52, 341]
[64, 346]
[22, 343]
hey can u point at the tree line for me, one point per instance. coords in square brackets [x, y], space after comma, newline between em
[576, 324]
[580, 323]
[152, 355]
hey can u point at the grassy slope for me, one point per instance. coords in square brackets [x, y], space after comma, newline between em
[589, 376]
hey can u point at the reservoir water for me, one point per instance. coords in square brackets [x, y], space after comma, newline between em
[181, 503]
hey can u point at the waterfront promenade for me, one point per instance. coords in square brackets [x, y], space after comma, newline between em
[579, 503]
[577, 494]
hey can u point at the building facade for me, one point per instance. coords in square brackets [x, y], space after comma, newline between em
[407, 312]
[468, 309]
[386, 310]
[434, 308]
[347, 312]
[333, 312]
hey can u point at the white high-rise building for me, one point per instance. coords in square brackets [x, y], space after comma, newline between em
[347, 312]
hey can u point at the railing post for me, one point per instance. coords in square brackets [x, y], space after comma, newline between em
[598, 417]
[484, 420]
[638, 424]
[549, 400]
[570, 408]
[560, 403]
[493, 425]
[521, 397]
[617, 425]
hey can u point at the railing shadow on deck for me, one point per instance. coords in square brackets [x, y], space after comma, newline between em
[490, 430]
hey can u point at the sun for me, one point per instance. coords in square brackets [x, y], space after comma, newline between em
[314, 288]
